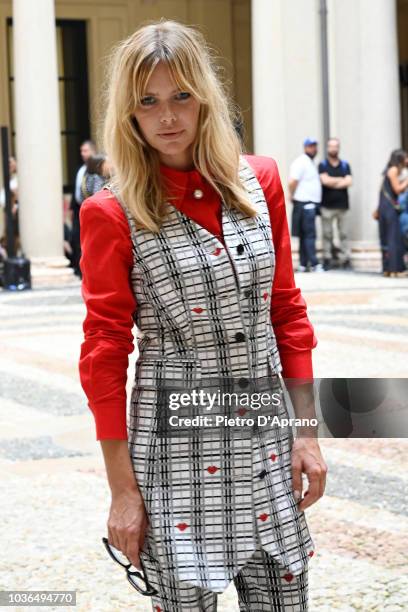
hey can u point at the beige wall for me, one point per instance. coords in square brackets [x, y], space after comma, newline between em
[226, 24]
[365, 112]
[286, 78]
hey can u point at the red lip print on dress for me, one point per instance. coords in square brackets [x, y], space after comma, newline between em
[288, 577]
[265, 296]
[311, 553]
[182, 526]
[197, 309]
[273, 456]
[217, 251]
[212, 469]
[263, 517]
[241, 411]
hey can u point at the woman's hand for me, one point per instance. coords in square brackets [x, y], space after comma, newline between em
[127, 524]
[307, 459]
[128, 520]
[306, 456]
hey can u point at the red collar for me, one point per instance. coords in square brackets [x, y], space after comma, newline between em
[182, 183]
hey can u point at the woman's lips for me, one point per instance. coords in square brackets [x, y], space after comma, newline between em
[171, 135]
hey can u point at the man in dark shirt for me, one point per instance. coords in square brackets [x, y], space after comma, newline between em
[335, 176]
[87, 150]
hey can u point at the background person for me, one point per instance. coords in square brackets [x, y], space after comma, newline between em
[403, 217]
[391, 240]
[87, 149]
[306, 193]
[13, 183]
[96, 175]
[335, 176]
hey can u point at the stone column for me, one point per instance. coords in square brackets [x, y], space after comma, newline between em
[365, 101]
[38, 130]
[286, 78]
[286, 82]
[267, 70]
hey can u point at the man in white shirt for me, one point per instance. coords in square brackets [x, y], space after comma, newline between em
[306, 193]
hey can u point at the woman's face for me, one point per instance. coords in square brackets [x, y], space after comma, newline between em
[168, 119]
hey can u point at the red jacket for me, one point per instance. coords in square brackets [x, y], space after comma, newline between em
[106, 264]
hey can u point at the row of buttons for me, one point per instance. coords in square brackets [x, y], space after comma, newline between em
[198, 194]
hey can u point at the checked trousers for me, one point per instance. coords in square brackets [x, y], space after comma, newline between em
[262, 585]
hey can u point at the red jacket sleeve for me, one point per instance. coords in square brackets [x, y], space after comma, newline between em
[105, 264]
[293, 330]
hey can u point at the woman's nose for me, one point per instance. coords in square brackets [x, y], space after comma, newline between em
[167, 115]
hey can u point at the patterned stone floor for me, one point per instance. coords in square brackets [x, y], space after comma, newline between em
[53, 490]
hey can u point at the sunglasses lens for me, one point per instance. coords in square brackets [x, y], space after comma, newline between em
[138, 580]
[119, 556]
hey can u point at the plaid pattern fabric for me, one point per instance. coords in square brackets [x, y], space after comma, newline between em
[262, 586]
[204, 313]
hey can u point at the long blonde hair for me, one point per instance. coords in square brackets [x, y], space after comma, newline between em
[136, 165]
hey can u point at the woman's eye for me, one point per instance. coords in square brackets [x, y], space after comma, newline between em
[147, 101]
[183, 95]
[150, 100]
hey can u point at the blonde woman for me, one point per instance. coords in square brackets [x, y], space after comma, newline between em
[189, 241]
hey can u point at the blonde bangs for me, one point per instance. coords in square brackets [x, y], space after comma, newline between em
[183, 80]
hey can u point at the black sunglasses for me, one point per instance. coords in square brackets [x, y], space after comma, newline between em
[132, 576]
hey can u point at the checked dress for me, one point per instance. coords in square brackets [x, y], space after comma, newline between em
[204, 313]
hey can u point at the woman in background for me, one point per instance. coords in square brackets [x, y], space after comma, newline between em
[391, 240]
[96, 175]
